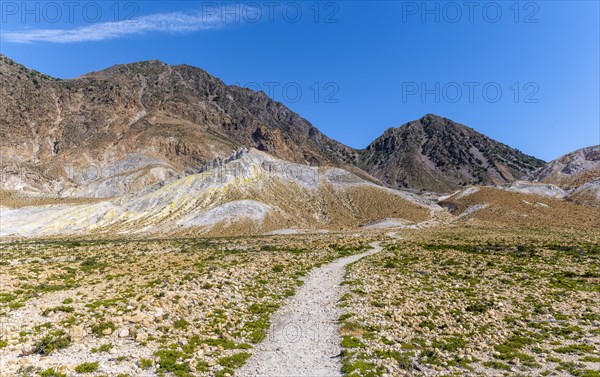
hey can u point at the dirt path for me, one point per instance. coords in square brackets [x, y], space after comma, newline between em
[303, 339]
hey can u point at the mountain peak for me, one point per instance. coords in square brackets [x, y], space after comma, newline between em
[437, 154]
[429, 117]
[142, 67]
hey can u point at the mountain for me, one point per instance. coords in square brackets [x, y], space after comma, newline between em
[119, 130]
[251, 193]
[578, 173]
[146, 121]
[437, 154]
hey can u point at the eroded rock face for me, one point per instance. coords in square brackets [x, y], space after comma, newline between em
[253, 193]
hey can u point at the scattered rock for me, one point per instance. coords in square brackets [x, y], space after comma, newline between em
[27, 349]
[77, 333]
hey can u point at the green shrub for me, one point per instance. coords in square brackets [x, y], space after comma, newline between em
[277, 268]
[169, 361]
[181, 324]
[100, 327]
[50, 372]
[351, 342]
[202, 366]
[87, 367]
[145, 363]
[224, 372]
[52, 342]
[103, 348]
[234, 361]
[496, 365]
[62, 308]
[91, 264]
[576, 349]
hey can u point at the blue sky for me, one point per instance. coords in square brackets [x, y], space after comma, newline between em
[526, 74]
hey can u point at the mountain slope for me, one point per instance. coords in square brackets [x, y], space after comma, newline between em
[252, 193]
[146, 120]
[571, 170]
[129, 126]
[435, 153]
[578, 173]
[496, 206]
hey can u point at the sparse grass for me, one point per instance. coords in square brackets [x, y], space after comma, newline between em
[102, 327]
[51, 372]
[62, 308]
[145, 363]
[578, 349]
[181, 324]
[496, 365]
[217, 294]
[106, 347]
[449, 301]
[234, 361]
[439, 301]
[172, 361]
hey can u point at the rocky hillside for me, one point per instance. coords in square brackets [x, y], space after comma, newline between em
[571, 170]
[578, 173]
[249, 194]
[124, 128]
[146, 121]
[435, 153]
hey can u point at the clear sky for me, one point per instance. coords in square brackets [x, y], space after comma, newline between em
[526, 74]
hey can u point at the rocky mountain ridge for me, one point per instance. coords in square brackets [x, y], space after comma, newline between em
[118, 130]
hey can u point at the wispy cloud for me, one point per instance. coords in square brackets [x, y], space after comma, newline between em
[175, 22]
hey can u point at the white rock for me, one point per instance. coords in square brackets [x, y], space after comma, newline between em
[27, 349]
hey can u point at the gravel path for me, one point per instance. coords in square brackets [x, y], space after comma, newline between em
[304, 339]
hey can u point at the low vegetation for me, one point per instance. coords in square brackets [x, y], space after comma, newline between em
[459, 301]
[473, 301]
[182, 307]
